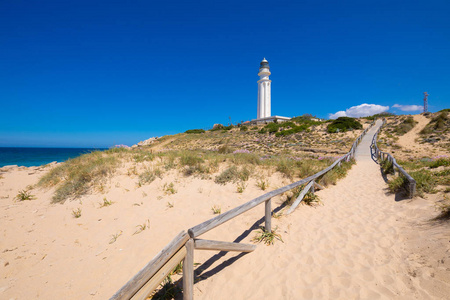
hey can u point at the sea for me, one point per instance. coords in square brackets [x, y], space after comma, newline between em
[29, 157]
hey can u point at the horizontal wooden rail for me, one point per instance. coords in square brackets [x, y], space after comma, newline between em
[385, 155]
[222, 246]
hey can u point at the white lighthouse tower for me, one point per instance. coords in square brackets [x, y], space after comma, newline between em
[264, 90]
[264, 96]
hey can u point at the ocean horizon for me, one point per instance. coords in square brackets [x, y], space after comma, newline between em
[38, 156]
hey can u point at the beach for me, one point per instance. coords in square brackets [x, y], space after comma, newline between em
[361, 242]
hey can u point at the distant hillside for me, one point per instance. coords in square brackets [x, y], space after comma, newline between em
[299, 136]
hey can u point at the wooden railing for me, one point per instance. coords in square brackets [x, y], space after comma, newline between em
[381, 156]
[181, 248]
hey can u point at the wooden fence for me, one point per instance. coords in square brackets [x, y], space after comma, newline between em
[181, 248]
[380, 155]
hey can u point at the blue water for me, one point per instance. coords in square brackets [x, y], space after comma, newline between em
[38, 156]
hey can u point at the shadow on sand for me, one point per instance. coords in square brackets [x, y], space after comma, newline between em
[200, 274]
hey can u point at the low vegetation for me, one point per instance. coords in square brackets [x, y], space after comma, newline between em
[268, 237]
[76, 213]
[24, 195]
[405, 126]
[106, 202]
[336, 173]
[343, 124]
[77, 176]
[115, 236]
[311, 199]
[195, 131]
[438, 124]
[216, 210]
[429, 174]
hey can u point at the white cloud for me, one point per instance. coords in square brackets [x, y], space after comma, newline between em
[337, 115]
[408, 107]
[362, 110]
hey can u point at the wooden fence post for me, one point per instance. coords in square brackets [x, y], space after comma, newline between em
[268, 207]
[188, 271]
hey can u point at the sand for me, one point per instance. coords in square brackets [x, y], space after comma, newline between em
[362, 243]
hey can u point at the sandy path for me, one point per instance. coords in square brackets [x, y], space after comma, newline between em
[355, 246]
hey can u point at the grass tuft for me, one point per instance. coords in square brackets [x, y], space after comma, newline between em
[114, 237]
[149, 176]
[312, 199]
[142, 227]
[76, 212]
[169, 188]
[106, 202]
[240, 188]
[216, 210]
[263, 184]
[24, 195]
[267, 237]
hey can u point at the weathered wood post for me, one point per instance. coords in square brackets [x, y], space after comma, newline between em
[268, 220]
[188, 271]
[312, 189]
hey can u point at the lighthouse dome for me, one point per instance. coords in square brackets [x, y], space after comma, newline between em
[264, 64]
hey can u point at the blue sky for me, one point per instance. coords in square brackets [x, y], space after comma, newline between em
[99, 73]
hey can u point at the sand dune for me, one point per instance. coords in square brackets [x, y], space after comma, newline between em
[361, 244]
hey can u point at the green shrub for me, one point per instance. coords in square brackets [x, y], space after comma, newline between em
[188, 158]
[398, 184]
[440, 162]
[243, 128]
[439, 123]
[387, 166]
[218, 127]
[336, 173]
[195, 131]
[343, 124]
[233, 174]
[425, 181]
[295, 129]
[405, 126]
[286, 167]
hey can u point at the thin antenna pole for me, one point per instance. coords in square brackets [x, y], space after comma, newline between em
[425, 102]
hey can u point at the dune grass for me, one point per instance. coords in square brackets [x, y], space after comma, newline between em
[268, 237]
[77, 176]
[24, 195]
[425, 174]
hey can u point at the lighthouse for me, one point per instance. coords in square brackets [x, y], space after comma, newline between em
[264, 90]
[264, 96]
